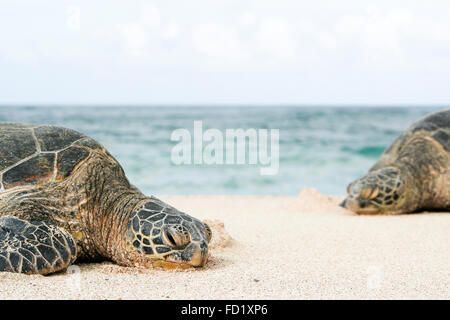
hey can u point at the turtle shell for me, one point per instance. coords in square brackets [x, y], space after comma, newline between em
[435, 126]
[36, 155]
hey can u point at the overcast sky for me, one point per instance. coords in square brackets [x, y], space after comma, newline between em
[225, 52]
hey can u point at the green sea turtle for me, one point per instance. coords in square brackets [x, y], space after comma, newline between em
[413, 174]
[64, 197]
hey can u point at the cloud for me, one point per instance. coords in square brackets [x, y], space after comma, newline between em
[394, 39]
[254, 46]
[143, 38]
[150, 17]
[248, 38]
[135, 38]
[171, 31]
[247, 19]
[375, 38]
[276, 38]
[220, 44]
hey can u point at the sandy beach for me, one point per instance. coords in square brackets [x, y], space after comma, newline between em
[304, 247]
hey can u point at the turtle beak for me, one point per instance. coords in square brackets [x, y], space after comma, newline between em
[199, 258]
[343, 204]
[196, 254]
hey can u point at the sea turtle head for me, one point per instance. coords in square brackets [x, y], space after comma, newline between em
[165, 237]
[380, 191]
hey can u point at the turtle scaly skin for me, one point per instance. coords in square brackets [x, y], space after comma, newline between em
[63, 197]
[413, 174]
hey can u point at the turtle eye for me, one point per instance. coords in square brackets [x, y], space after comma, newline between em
[208, 232]
[374, 193]
[369, 192]
[175, 237]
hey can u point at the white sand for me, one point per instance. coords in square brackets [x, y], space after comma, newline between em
[282, 248]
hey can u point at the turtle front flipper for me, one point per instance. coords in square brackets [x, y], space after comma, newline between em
[34, 247]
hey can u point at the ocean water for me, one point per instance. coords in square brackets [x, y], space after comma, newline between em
[321, 147]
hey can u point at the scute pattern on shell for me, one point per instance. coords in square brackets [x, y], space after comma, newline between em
[435, 125]
[35, 155]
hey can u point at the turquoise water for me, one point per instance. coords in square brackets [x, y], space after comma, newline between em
[320, 147]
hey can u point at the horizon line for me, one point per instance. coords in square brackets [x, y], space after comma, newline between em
[240, 105]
